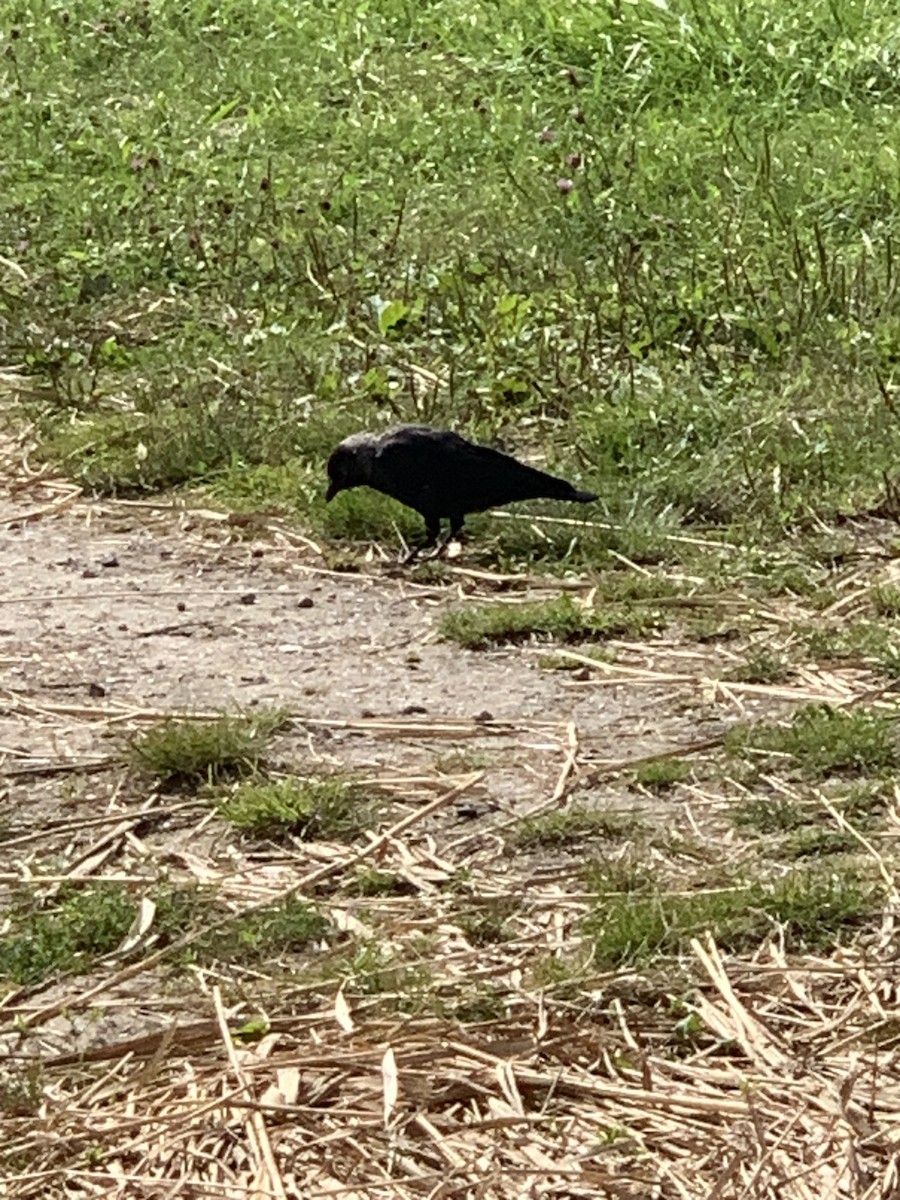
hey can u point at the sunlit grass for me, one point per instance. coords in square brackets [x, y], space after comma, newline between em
[518, 228]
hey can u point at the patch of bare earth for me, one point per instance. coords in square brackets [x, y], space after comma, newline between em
[493, 1076]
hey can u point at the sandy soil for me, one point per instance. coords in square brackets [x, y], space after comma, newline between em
[106, 605]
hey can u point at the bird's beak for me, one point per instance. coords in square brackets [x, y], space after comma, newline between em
[333, 490]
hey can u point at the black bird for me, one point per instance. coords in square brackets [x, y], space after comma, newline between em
[439, 474]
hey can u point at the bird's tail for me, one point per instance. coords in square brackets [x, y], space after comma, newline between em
[583, 497]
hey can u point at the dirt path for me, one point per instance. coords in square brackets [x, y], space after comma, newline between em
[114, 614]
[105, 604]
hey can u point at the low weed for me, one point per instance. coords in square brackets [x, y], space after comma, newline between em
[21, 1089]
[84, 923]
[376, 969]
[813, 909]
[624, 873]
[369, 881]
[79, 927]
[812, 842]
[487, 922]
[863, 803]
[885, 600]
[261, 935]
[480, 626]
[662, 774]
[558, 830]
[189, 753]
[822, 741]
[872, 644]
[770, 814]
[562, 662]
[310, 809]
[763, 667]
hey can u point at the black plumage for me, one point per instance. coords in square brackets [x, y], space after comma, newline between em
[440, 475]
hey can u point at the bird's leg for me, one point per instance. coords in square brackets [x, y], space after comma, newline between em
[456, 524]
[432, 534]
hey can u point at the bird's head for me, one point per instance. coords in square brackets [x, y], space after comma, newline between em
[350, 464]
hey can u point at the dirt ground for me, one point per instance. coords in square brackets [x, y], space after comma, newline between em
[109, 607]
[113, 614]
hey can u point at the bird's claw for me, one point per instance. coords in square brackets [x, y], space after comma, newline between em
[430, 552]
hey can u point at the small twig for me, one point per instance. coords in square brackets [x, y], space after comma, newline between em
[395, 830]
[255, 1123]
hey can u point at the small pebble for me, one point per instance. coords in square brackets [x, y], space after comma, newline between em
[181, 606]
[248, 598]
[412, 710]
[305, 602]
[96, 690]
[468, 812]
[109, 560]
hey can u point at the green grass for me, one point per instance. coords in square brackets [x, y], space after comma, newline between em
[885, 600]
[561, 662]
[822, 741]
[693, 327]
[662, 774]
[479, 626]
[814, 909]
[487, 922]
[83, 924]
[625, 873]
[818, 843]
[770, 814]
[190, 753]
[369, 881]
[874, 644]
[570, 827]
[762, 666]
[309, 809]
[261, 936]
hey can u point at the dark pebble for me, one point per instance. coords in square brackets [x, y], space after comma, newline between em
[468, 812]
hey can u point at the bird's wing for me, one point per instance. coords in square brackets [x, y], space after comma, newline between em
[470, 478]
[440, 473]
[411, 465]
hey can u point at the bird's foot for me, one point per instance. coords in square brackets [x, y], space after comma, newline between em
[415, 554]
[448, 546]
